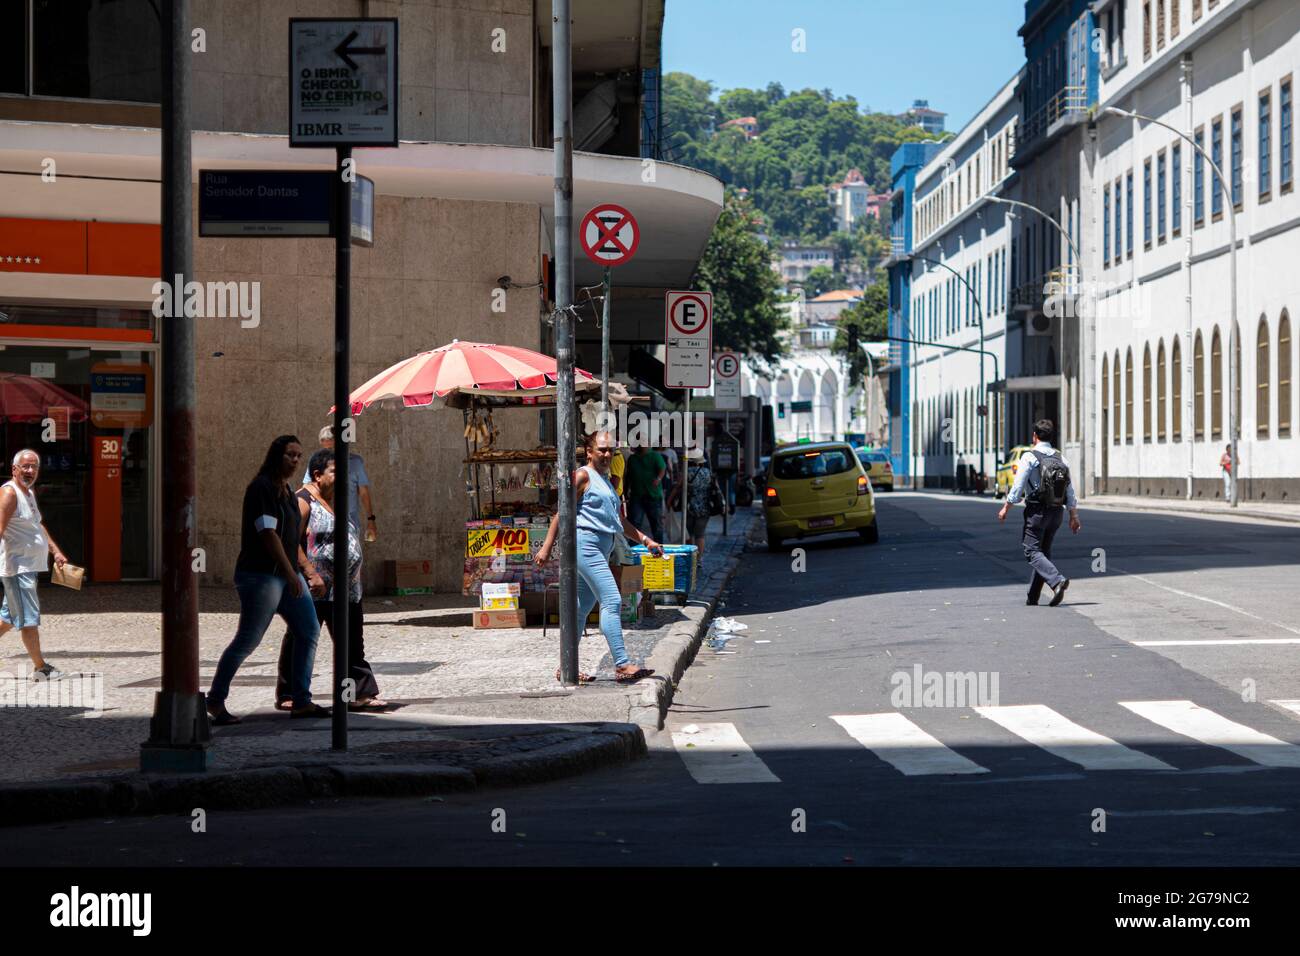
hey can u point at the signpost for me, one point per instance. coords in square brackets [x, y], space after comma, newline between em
[726, 396]
[342, 93]
[726, 388]
[688, 358]
[609, 235]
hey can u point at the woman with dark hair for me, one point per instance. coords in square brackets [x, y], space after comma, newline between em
[268, 582]
[316, 511]
[600, 518]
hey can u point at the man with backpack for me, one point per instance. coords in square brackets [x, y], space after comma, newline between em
[1043, 480]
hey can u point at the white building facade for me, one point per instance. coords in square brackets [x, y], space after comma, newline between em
[960, 273]
[1158, 258]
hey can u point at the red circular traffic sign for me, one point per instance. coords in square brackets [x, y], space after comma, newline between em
[693, 324]
[609, 235]
[727, 364]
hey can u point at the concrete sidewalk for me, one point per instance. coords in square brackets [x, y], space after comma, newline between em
[471, 707]
[1262, 510]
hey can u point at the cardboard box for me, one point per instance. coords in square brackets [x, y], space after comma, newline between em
[491, 619]
[633, 581]
[499, 596]
[408, 574]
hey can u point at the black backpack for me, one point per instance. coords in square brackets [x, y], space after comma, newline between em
[1054, 479]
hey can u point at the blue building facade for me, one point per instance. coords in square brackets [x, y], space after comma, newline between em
[906, 161]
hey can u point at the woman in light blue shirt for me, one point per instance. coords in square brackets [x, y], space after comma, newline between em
[600, 518]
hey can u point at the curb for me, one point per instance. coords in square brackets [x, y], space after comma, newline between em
[263, 787]
[676, 651]
[1220, 512]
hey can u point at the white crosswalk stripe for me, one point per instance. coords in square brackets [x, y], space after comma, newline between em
[718, 754]
[1045, 728]
[905, 746]
[1186, 718]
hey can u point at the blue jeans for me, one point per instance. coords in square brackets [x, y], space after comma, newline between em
[647, 514]
[261, 597]
[596, 583]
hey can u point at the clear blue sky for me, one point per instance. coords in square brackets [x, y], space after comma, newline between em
[885, 53]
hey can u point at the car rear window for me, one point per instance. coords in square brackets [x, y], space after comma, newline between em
[812, 464]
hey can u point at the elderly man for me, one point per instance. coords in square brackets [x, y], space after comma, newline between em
[25, 547]
[359, 487]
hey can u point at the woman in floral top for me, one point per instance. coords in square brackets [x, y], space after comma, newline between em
[316, 506]
[698, 502]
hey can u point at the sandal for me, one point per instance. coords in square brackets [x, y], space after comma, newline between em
[631, 677]
[220, 717]
[311, 710]
[286, 704]
[371, 704]
[582, 678]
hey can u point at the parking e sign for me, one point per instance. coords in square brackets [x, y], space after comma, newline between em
[688, 339]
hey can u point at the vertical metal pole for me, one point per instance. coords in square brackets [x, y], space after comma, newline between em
[604, 343]
[566, 452]
[686, 472]
[178, 732]
[726, 494]
[1189, 359]
[342, 451]
[1234, 350]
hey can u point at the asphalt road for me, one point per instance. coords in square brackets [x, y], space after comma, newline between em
[1200, 768]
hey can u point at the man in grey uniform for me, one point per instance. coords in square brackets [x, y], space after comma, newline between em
[1043, 481]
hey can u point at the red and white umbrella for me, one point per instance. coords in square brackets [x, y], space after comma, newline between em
[461, 366]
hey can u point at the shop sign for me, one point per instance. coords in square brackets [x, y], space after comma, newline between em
[487, 542]
[121, 396]
[42, 370]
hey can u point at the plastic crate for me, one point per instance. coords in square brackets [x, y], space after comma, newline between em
[685, 559]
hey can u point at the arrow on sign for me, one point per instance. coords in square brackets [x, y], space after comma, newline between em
[344, 50]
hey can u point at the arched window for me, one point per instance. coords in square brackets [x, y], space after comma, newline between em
[1116, 416]
[1105, 387]
[1198, 385]
[1128, 396]
[1161, 391]
[1261, 379]
[1176, 389]
[1284, 376]
[1216, 386]
[1146, 394]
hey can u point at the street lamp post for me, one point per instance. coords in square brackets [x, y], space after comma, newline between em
[1086, 349]
[1234, 411]
[979, 309]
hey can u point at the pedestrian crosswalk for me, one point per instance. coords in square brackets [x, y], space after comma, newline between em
[718, 753]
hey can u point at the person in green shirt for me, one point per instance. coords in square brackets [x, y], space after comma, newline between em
[643, 488]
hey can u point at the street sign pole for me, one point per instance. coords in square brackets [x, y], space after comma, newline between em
[604, 343]
[726, 495]
[178, 732]
[342, 411]
[566, 451]
[686, 471]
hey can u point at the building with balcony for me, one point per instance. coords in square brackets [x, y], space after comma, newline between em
[465, 199]
[921, 115]
[853, 199]
[794, 261]
[1222, 74]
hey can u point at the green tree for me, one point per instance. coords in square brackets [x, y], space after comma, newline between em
[823, 279]
[736, 267]
[741, 102]
[865, 321]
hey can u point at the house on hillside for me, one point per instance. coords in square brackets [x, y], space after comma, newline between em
[921, 115]
[746, 124]
[853, 199]
[794, 261]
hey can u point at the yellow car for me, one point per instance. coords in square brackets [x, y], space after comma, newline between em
[1007, 470]
[879, 470]
[819, 488]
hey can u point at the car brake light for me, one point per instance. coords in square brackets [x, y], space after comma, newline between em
[772, 498]
[862, 484]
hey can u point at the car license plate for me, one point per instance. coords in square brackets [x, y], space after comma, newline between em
[821, 522]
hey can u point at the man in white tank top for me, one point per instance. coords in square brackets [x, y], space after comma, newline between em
[25, 547]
